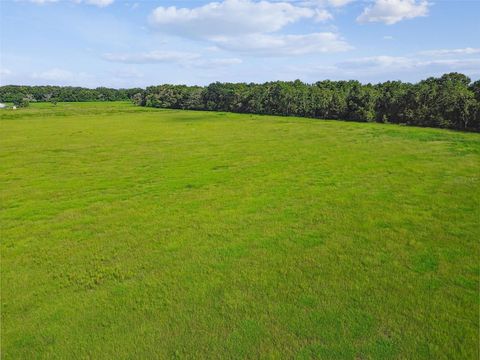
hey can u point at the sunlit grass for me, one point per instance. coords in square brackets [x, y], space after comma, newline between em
[141, 233]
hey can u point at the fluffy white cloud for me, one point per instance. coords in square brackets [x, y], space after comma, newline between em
[228, 18]
[393, 11]
[186, 59]
[284, 45]
[449, 52]
[249, 27]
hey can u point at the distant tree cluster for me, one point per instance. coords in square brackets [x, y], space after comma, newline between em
[450, 101]
[54, 94]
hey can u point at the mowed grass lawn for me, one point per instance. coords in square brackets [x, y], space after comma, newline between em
[135, 233]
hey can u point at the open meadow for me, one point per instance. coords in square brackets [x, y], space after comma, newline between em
[141, 233]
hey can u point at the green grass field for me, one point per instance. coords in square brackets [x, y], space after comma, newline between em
[136, 233]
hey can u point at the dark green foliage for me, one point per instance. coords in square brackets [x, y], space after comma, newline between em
[475, 88]
[9, 93]
[172, 96]
[391, 101]
[450, 101]
[361, 103]
[138, 99]
[21, 102]
[446, 102]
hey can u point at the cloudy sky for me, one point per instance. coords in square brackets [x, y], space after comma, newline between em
[121, 43]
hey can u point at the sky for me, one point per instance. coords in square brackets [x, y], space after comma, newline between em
[128, 43]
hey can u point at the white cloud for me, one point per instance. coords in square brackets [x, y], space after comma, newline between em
[427, 61]
[455, 64]
[338, 3]
[285, 45]
[322, 15]
[185, 59]
[228, 18]
[213, 48]
[377, 62]
[99, 3]
[152, 57]
[383, 63]
[214, 63]
[449, 52]
[249, 27]
[393, 11]
[42, 1]
[58, 75]
[322, 3]
[388, 37]
[384, 67]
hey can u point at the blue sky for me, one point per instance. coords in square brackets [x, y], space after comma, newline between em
[119, 43]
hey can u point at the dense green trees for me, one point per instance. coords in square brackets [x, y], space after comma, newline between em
[445, 102]
[10, 93]
[21, 102]
[450, 101]
[475, 121]
[171, 96]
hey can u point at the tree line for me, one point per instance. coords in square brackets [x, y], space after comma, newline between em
[22, 95]
[450, 101]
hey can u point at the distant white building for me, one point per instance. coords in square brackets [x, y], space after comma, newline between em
[2, 106]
